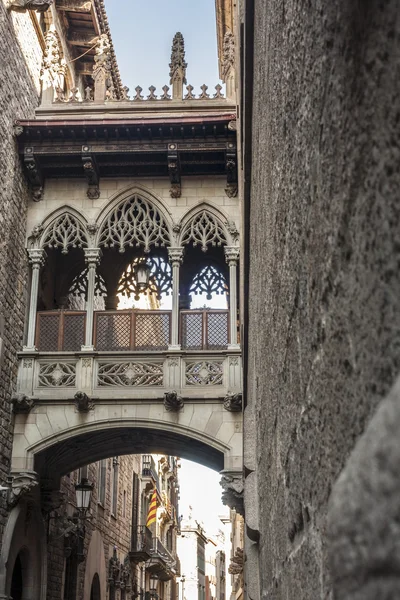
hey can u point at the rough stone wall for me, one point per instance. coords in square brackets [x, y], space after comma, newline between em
[324, 314]
[18, 99]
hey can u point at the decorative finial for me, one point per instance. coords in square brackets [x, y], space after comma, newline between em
[177, 66]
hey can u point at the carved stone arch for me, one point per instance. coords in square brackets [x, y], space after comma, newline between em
[65, 228]
[135, 217]
[205, 225]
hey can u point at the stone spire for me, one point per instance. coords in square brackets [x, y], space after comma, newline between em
[102, 68]
[177, 66]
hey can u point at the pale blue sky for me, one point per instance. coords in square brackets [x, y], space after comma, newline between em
[142, 32]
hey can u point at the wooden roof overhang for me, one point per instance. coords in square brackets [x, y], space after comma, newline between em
[127, 147]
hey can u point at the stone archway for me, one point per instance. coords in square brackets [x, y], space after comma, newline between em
[23, 553]
[95, 593]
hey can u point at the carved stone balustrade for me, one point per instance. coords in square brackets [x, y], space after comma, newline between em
[129, 375]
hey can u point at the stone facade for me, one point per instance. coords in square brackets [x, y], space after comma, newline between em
[18, 99]
[322, 254]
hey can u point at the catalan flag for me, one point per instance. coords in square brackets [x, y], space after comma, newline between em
[152, 514]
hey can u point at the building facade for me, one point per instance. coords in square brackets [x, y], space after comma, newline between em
[112, 230]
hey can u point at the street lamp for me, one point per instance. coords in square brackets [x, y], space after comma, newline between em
[153, 586]
[83, 491]
[142, 275]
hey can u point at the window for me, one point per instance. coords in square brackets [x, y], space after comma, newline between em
[102, 481]
[114, 491]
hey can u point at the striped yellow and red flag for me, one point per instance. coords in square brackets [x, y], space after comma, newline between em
[152, 514]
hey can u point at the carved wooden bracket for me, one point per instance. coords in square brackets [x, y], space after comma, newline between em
[174, 171]
[34, 173]
[231, 189]
[91, 171]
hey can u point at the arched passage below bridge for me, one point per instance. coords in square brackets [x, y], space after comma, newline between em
[55, 438]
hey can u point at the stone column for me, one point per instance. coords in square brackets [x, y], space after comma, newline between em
[92, 259]
[36, 258]
[232, 257]
[175, 258]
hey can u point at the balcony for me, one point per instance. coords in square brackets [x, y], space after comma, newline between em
[131, 352]
[132, 330]
[142, 544]
[149, 469]
[162, 563]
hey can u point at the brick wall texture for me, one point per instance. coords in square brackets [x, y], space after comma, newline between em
[324, 337]
[18, 99]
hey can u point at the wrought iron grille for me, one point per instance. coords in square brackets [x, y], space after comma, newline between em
[60, 330]
[204, 330]
[132, 330]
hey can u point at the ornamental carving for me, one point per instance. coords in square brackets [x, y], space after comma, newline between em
[57, 375]
[228, 54]
[53, 65]
[205, 230]
[24, 5]
[232, 491]
[65, 232]
[178, 65]
[172, 402]
[83, 403]
[134, 222]
[204, 373]
[22, 404]
[209, 281]
[237, 563]
[79, 285]
[130, 374]
[233, 402]
[22, 485]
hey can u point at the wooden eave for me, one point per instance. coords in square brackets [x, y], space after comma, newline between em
[126, 147]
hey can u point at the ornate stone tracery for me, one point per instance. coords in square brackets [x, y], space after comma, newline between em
[204, 229]
[134, 222]
[209, 281]
[160, 278]
[130, 374]
[65, 232]
[204, 373]
[228, 54]
[58, 374]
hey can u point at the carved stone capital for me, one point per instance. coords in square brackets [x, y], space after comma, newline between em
[175, 255]
[175, 190]
[83, 403]
[173, 402]
[232, 255]
[92, 256]
[22, 404]
[232, 490]
[233, 402]
[22, 485]
[37, 257]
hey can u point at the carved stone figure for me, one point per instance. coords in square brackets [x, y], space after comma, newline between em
[233, 402]
[232, 494]
[22, 404]
[88, 94]
[22, 484]
[53, 67]
[173, 402]
[83, 403]
[24, 5]
[236, 566]
[102, 69]
[177, 66]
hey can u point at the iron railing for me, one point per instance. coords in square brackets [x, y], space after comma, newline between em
[142, 540]
[161, 551]
[149, 469]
